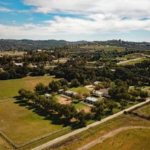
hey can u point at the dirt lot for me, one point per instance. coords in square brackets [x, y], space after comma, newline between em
[64, 100]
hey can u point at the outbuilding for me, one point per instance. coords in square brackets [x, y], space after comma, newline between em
[47, 95]
[91, 100]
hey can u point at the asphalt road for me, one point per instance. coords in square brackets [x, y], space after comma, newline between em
[52, 142]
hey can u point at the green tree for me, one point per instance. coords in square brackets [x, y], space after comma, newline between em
[81, 118]
[54, 86]
[75, 83]
[40, 88]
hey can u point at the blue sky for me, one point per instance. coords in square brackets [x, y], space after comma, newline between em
[75, 20]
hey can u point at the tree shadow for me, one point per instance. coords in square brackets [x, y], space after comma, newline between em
[54, 117]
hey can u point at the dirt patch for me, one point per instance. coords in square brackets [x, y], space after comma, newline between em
[87, 110]
[64, 100]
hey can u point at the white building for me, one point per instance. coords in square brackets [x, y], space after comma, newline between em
[47, 95]
[18, 64]
[70, 93]
[61, 91]
[98, 93]
[96, 82]
[91, 100]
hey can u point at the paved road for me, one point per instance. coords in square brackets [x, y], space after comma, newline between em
[108, 135]
[52, 142]
[122, 62]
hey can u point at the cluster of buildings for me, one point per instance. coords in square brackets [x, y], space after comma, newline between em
[94, 95]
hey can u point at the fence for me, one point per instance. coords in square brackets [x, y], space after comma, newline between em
[32, 141]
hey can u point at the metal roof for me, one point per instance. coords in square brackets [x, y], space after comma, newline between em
[93, 99]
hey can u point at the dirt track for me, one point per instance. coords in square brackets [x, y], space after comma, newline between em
[52, 142]
[108, 135]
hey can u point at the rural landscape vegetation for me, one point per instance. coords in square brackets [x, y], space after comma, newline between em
[49, 92]
[74, 75]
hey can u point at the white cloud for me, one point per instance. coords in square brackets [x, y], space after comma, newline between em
[70, 26]
[137, 8]
[99, 16]
[3, 9]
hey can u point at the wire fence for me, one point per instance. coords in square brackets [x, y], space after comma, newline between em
[34, 140]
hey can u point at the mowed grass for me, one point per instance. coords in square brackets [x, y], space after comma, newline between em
[4, 145]
[9, 88]
[22, 125]
[96, 132]
[81, 90]
[135, 139]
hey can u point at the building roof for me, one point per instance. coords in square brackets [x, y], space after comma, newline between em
[61, 90]
[18, 64]
[68, 92]
[71, 92]
[92, 99]
[99, 92]
[105, 91]
[96, 82]
[47, 95]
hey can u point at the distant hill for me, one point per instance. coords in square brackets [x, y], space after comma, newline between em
[31, 44]
[48, 44]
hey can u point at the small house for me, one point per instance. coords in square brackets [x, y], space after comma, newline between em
[96, 82]
[98, 93]
[61, 91]
[91, 100]
[47, 95]
[70, 93]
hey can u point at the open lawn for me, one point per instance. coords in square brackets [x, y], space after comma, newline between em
[9, 88]
[80, 90]
[82, 106]
[135, 139]
[20, 124]
[92, 134]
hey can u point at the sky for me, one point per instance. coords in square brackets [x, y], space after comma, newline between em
[75, 20]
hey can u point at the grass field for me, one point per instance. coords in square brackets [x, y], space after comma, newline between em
[135, 139]
[80, 90]
[105, 48]
[4, 145]
[144, 111]
[82, 106]
[134, 62]
[96, 132]
[12, 53]
[9, 88]
[132, 56]
[21, 124]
